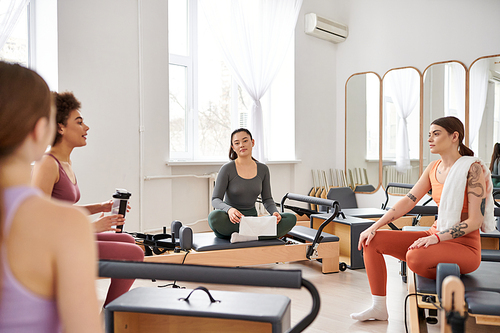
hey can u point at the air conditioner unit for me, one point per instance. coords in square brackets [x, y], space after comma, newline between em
[323, 28]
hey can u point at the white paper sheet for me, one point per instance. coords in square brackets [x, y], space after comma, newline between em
[258, 226]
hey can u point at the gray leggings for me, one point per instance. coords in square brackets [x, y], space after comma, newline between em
[219, 221]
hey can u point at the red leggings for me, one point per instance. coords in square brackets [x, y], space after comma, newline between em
[113, 246]
[464, 251]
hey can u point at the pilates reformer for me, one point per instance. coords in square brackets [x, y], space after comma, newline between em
[152, 309]
[477, 292]
[206, 249]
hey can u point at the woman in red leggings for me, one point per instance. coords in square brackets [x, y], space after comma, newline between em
[54, 175]
[423, 250]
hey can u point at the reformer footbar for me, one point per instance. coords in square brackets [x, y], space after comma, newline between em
[299, 231]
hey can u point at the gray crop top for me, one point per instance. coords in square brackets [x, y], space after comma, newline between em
[233, 191]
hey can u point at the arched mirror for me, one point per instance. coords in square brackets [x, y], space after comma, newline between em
[443, 95]
[401, 127]
[363, 132]
[484, 108]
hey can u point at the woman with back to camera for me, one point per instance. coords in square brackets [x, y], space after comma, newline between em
[237, 187]
[54, 175]
[461, 187]
[47, 248]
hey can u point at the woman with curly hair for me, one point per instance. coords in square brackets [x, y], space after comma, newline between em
[54, 175]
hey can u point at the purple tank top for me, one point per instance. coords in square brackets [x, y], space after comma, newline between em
[64, 189]
[21, 310]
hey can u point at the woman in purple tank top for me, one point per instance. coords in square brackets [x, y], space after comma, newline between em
[54, 175]
[43, 286]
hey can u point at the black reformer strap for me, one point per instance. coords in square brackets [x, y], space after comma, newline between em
[219, 275]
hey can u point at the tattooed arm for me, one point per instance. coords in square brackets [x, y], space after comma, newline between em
[403, 206]
[476, 196]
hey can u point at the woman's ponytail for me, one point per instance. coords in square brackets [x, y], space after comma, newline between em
[464, 150]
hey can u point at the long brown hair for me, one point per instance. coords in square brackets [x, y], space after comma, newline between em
[451, 125]
[24, 99]
[495, 155]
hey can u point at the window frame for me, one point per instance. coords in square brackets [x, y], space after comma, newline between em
[30, 20]
[193, 152]
[190, 62]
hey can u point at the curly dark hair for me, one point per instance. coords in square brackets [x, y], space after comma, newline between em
[65, 103]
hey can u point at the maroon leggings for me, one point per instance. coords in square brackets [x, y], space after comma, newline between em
[464, 251]
[113, 246]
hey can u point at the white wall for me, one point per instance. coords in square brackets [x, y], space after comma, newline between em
[103, 60]
[44, 53]
[98, 61]
[315, 97]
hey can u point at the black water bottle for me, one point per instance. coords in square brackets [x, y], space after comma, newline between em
[120, 201]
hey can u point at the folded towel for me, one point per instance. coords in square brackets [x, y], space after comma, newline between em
[237, 238]
[452, 197]
[258, 226]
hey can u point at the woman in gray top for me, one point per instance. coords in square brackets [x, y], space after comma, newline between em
[494, 166]
[237, 187]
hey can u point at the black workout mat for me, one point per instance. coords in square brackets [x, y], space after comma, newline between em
[207, 241]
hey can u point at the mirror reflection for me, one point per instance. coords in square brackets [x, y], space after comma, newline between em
[401, 127]
[443, 95]
[363, 131]
[484, 110]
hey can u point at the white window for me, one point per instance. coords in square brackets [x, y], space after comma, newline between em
[206, 103]
[17, 47]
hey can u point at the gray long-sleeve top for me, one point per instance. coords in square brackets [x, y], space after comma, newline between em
[495, 167]
[233, 191]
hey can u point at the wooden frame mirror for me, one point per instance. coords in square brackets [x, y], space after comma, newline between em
[484, 106]
[401, 114]
[444, 94]
[363, 131]
[445, 88]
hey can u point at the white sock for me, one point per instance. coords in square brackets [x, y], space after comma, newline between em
[378, 311]
[236, 237]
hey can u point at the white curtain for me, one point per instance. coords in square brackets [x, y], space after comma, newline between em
[405, 92]
[254, 36]
[478, 90]
[10, 10]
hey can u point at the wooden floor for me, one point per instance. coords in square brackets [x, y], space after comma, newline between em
[341, 294]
